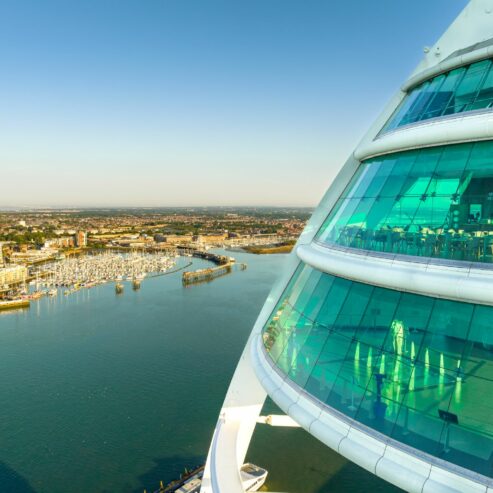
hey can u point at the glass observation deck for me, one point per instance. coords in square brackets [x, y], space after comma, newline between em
[467, 88]
[412, 367]
[435, 202]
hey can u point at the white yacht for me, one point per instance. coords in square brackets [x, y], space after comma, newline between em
[252, 478]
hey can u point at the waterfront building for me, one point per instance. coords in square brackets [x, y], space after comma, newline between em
[32, 256]
[12, 275]
[175, 239]
[378, 340]
[81, 239]
[60, 242]
[210, 239]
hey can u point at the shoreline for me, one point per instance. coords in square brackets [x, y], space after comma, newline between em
[269, 249]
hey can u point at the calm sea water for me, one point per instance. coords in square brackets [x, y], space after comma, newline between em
[111, 393]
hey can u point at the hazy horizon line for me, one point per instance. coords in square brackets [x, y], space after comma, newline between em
[98, 207]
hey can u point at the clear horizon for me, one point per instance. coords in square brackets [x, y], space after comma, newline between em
[196, 104]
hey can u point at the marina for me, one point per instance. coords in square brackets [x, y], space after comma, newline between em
[95, 268]
[87, 271]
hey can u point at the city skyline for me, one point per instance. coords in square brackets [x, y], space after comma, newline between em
[192, 104]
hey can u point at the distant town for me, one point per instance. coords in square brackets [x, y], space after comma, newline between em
[30, 238]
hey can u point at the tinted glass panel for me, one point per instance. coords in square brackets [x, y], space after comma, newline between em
[463, 89]
[400, 363]
[435, 202]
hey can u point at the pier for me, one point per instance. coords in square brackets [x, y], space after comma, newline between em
[224, 265]
[205, 275]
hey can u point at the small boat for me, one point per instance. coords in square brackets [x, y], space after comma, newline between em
[52, 292]
[136, 284]
[119, 288]
[12, 304]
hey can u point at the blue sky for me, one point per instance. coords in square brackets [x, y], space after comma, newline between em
[196, 102]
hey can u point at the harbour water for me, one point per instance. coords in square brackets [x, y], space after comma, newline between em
[105, 393]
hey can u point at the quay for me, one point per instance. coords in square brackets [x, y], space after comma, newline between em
[195, 473]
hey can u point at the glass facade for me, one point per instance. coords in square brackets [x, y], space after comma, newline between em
[412, 367]
[463, 89]
[434, 202]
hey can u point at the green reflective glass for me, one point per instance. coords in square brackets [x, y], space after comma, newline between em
[484, 98]
[464, 89]
[442, 97]
[435, 202]
[392, 361]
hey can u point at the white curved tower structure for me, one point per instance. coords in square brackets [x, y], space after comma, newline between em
[379, 338]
